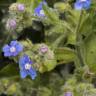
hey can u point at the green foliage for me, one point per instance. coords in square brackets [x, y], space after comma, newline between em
[65, 54]
[62, 7]
[79, 89]
[9, 70]
[38, 87]
[90, 52]
[69, 36]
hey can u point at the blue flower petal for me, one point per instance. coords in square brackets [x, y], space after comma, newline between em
[87, 4]
[82, 4]
[22, 62]
[39, 10]
[33, 73]
[7, 54]
[19, 47]
[23, 74]
[26, 58]
[6, 48]
[14, 53]
[78, 6]
[13, 43]
[16, 49]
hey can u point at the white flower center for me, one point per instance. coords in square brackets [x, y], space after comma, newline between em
[42, 12]
[82, 0]
[12, 49]
[27, 66]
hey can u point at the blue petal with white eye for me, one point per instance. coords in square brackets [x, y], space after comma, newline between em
[13, 49]
[25, 60]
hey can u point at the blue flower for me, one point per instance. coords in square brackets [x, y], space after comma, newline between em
[25, 65]
[39, 10]
[82, 4]
[13, 49]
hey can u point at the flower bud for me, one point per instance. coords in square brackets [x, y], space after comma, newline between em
[43, 49]
[21, 7]
[11, 24]
[68, 94]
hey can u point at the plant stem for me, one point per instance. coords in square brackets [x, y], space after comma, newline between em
[78, 42]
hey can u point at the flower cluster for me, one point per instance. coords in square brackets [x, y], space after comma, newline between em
[15, 8]
[25, 63]
[82, 4]
[14, 48]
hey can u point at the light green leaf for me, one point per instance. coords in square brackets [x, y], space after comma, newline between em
[44, 91]
[50, 64]
[51, 14]
[65, 54]
[71, 38]
[61, 7]
[47, 65]
[12, 89]
[90, 52]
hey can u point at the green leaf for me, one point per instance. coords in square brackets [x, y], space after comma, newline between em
[61, 7]
[25, 1]
[44, 91]
[85, 89]
[51, 14]
[50, 64]
[90, 52]
[71, 38]
[9, 70]
[29, 2]
[65, 54]
[12, 89]
[47, 65]
[42, 69]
